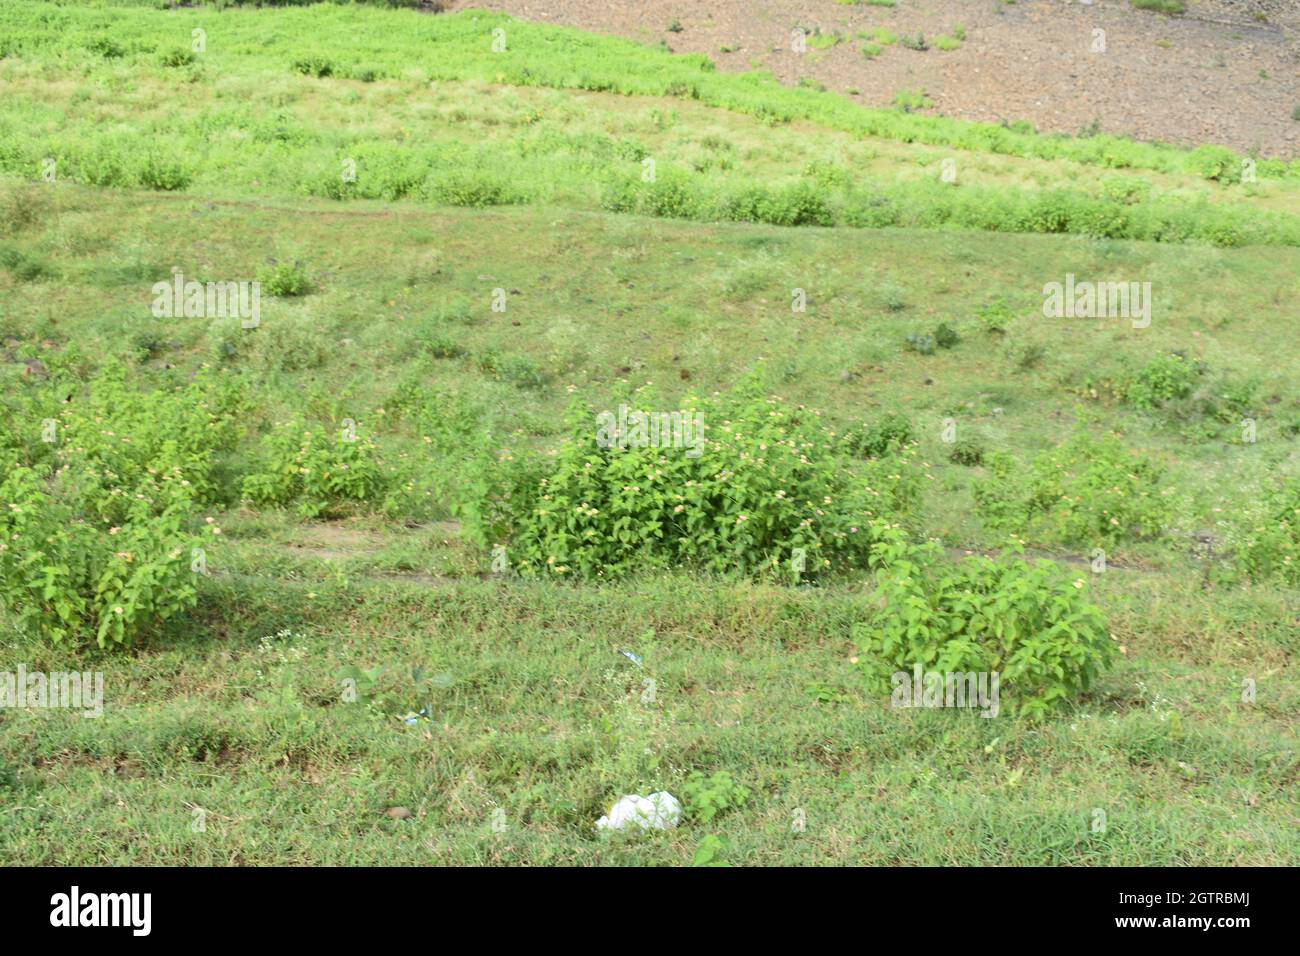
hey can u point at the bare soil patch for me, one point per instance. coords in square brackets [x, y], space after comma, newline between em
[1226, 72]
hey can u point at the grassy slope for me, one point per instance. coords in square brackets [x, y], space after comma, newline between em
[539, 715]
[752, 679]
[428, 129]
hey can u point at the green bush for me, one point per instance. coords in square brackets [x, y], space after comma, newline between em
[22, 205]
[1215, 162]
[1031, 623]
[770, 484]
[889, 433]
[178, 56]
[316, 470]
[457, 441]
[1164, 379]
[440, 345]
[475, 189]
[967, 452]
[317, 66]
[115, 437]
[164, 173]
[920, 342]
[1231, 399]
[1268, 544]
[995, 317]
[943, 336]
[97, 503]
[705, 796]
[67, 576]
[284, 278]
[519, 370]
[108, 48]
[1087, 491]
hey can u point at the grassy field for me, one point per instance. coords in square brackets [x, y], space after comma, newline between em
[455, 300]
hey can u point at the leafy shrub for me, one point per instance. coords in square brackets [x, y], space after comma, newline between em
[115, 437]
[440, 345]
[1125, 189]
[1086, 491]
[284, 278]
[66, 576]
[967, 451]
[164, 173]
[710, 851]
[107, 48]
[1027, 355]
[769, 482]
[519, 370]
[94, 525]
[1031, 623]
[705, 796]
[894, 296]
[1215, 162]
[457, 439]
[995, 317]
[943, 336]
[910, 101]
[1268, 544]
[475, 189]
[671, 195]
[318, 470]
[289, 344]
[1231, 399]
[1164, 379]
[801, 204]
[887, 434]
[317, 66]
[920, 342]
[178, 56]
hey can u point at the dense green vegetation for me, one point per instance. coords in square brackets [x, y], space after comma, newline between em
[363, 572]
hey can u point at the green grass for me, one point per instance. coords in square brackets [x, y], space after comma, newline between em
[538, 716]
[1161, 6]
[398, 43]
[484, 144]
[237, 709]
[751, 679]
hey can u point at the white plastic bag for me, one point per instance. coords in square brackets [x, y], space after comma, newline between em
[659, 811]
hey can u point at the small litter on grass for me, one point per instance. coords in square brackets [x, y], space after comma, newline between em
[632, 657]
[412, 719]
[659, 811]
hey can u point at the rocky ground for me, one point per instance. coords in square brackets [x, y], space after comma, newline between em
[1227, 71]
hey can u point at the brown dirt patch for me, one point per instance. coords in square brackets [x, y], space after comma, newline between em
[1227, 72]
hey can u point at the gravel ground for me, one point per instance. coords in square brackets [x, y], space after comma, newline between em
[1228, 71]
